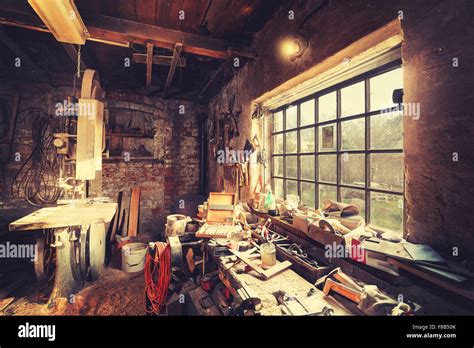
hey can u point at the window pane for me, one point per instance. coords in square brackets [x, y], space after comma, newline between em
[292, 117]
[327, 107]
[386, 211]
[291, 167]
[307, 140]
[353, 99]
[278, 188]
[291, 138]
[382, 87]
[386, 131]
[353, 134]
[278, 165]
[307, 167]
[327, 192]
[354, 197]
[291, 188]
[327, 168]
[278, 121]
[307, 194]
[307, 113]
[278, 143]
[353, 169]
[327, 137]
[386, 171]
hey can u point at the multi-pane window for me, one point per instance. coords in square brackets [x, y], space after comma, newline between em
[345, 144]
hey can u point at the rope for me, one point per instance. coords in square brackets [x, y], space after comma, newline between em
[157, 276]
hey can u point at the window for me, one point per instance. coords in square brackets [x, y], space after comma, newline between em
[345, 144]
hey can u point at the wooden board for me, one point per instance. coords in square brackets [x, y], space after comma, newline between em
[134, 212]
[65, 216]
[216, 199]
[465, 292]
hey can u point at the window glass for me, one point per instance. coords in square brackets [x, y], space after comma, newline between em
[382, 87]
[353, 134]
[307, 167]
[278, 143]
[291, 167]
[327, 107]
[291, 187]
[307, 194]
[353, 99]
[327, 168]
[278, 165]
[292, 117]
[353, 169]
[327, 192]
[386, 171]
[307, 113]
[278, 121]
[307, 140]
[386, 131]
[386, 210]
[291, 142]
[278, 188]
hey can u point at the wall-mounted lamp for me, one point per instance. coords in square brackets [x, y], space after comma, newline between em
[293, 48]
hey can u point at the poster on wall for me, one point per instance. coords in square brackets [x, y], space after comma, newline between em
[328, 137]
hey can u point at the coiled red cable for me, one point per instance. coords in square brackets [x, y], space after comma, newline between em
[157, 277]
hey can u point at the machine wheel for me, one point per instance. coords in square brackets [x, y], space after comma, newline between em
[45, 260]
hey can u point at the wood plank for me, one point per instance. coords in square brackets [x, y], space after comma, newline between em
[65, 216]
[149, 65]
[468, 293]
[125, 213]
[159, 60]
[177, 52]
[134, 212]
[117, 217]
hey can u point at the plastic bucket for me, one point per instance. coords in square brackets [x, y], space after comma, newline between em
[133, 257]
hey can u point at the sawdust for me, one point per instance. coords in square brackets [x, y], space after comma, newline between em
[116, 293]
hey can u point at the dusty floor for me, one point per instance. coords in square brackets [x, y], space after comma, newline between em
[117, 293]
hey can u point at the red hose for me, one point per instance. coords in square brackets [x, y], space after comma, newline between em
[157, 277]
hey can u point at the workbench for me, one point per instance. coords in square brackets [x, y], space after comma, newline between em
[288, 281]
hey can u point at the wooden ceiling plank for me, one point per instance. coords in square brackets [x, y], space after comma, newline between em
[20, 53]
[213, 78]
[149, 65]
[177, 52]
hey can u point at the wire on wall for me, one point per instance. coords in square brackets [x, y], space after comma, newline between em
[36, 180]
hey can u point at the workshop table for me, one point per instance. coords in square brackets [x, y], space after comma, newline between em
[286, 281]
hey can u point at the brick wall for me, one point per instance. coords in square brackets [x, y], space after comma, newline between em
[437, 189]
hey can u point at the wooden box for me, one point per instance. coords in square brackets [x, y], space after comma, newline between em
[221, 207]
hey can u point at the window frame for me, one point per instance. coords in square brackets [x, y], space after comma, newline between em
[367, 151]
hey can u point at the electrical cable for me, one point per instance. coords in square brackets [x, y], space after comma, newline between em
[157, 276]
[36, 180]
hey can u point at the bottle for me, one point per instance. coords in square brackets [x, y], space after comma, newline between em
[270, 205]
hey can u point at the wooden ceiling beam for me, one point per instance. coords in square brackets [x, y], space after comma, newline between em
[121, 31]
[177, 52]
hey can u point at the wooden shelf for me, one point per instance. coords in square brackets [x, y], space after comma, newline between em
[131, 135]
[118, 159]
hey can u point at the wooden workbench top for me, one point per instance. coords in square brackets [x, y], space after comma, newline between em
[65, 216]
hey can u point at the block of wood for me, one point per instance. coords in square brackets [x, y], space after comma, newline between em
[65, 216]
